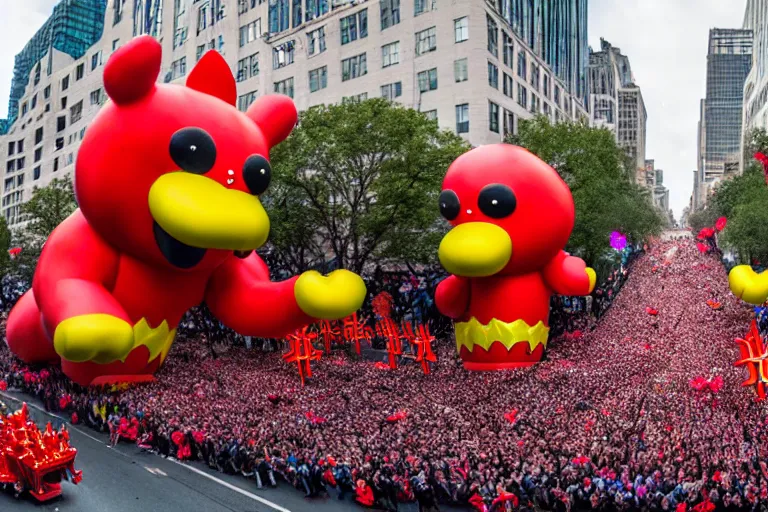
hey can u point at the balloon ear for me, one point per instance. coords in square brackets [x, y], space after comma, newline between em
[131, 71]
[212, 75]
[275, 115]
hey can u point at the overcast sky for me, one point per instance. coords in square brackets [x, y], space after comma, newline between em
[666, 41]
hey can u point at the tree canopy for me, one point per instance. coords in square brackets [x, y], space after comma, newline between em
[595, 168]
[742, 200]
[359, 182]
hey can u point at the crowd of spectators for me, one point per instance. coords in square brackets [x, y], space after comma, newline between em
[609, 421]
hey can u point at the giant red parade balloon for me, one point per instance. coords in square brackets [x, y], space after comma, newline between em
[168, 179]
[512, 215]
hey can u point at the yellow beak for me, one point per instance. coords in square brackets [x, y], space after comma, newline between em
[200, 212]
[475, 249]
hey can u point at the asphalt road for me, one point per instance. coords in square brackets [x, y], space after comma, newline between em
[124, 479]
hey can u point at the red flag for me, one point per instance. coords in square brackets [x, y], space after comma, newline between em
[721, 223]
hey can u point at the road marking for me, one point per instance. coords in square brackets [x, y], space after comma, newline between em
[235, 488]
[156, 471]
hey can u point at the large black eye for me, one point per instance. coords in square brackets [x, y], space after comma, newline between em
[193, 150]
[497, 201]
[449, 204]
[257, 173]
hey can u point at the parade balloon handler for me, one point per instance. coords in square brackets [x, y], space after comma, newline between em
[512, 215]
[168, 179]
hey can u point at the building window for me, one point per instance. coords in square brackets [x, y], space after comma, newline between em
[461, 29]
[427, 80]
[79, 72]
[535, 76]
[390, 54]
[11, 148]
[55, 164]
[20, 146]
[493, 36]
[426, 41]
[508, 48]
[242, 6]
[557, 95]
[119, 8]
[19, 163]
[355, 99]
[36, 173]
[352, 25]
[316, 41]
[285, 87]
[65, 83]
[278, 15]
[38, 154]
[10, 166]
[522, 96]
[116, 42]
[38, 69]
[200, 51]
[535, 104]
[47, 92]
[461, 70]
[493, 117]
[392, 91]
[462, 118]
[282, 55]
[509, 85]
[39, 135]
[19, 180]
[202, 17]
[95, 60]
[316, 8]
[244, 101]
[250, 32]
[318, 79]
[24, 108]
[179, 68]
[509, 122]
[431, 115]
[493, 75]
[546, 85]
[390, 13]
[75, 112]
[422, 6]
[96, 97]
[248, 67]
[354, 67]
[70, 158]
[296, 13]
[59, 143]
[63, 103]
[522, 65]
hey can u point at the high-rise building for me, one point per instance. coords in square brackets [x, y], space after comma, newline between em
[729, 60]
[475, 67]
[616, 103]
[755, 102]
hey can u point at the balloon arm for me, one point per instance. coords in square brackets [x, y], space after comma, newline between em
[452, 296]
[568, 275]
[74, 268]
[241, 295]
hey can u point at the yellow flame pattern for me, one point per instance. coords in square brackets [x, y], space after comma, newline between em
[469, 334]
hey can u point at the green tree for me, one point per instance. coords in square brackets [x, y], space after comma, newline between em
[602, 183]
[360, 182]
[45, 210]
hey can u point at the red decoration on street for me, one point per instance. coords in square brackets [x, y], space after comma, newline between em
[702, 247]
[511, 416]
[386, 328]
[651, 311]
[398, 416]
[302, 352]
[33, 461]
[763, 160]
[14, 251]
[706, 233]
[330, 333]
[314, 418]
[381, 366]
[721, 223]
[754, 358]
[355, 330]
[424, 353]
[3, 385]
[712, 303]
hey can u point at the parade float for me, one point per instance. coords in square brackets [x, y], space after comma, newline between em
[35, 461]
[168, 179]
[512, 216]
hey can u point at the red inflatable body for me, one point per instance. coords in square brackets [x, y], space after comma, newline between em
[167, 180]
[33, 461]
[512, 215]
